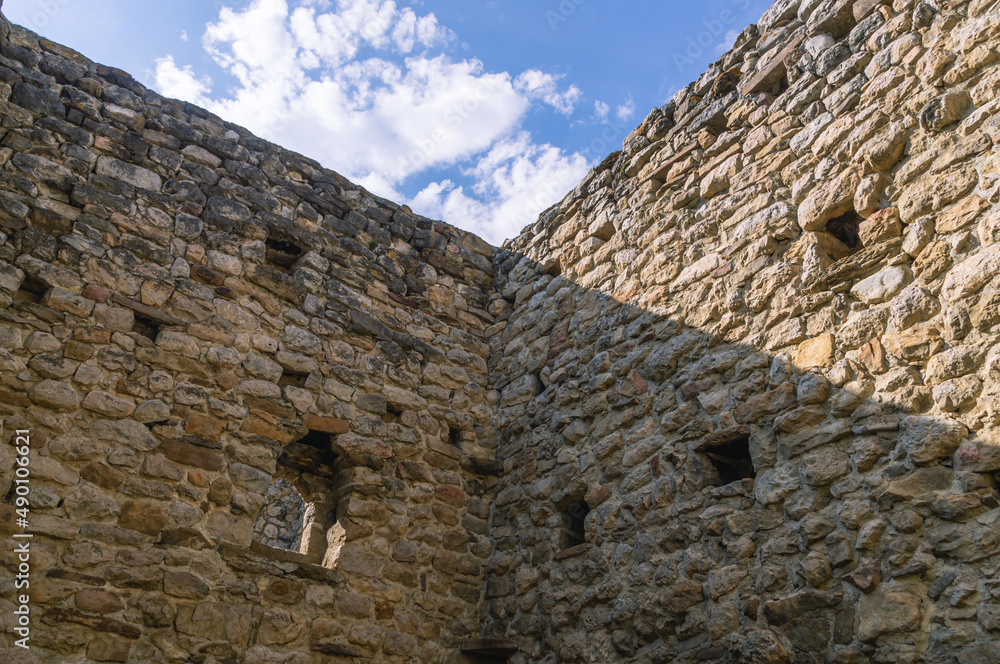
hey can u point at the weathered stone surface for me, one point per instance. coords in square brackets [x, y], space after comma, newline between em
[147, 518]
[134, 175]
[971, 275]
[944, 111]
[98, 601]
[882, 286]
[813, 353]
[779, 612]
[981, 455]
[829, 200]
[919, 484]
[881, 226]
[681, 417]
[914, 345]
[928, 439]
[108, 405]
[54, 394]
[885, 612]
[191, 455]
[932, 194]
[326, 424]
[124, 432]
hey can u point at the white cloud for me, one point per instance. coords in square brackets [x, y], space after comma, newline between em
[536, 84]
[181, 82]
[184, 35]
[367, 88]
[514, 182]
[601, 111]
[626, 111]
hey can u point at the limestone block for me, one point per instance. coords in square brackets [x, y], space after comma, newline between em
[829, 200]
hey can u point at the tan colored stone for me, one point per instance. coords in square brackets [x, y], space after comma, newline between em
[147, 518]
[868, 199]
[815, 353]
[881, 226]
[968, 277]
[961, 214]
[933, 260]
[931, 194]
[944, 111]
[914, 345]
[921, 483]
[829, 200]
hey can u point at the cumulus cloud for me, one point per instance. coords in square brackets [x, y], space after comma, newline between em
[514, 182]
[369, 88]
[181, 82]
[536, 84]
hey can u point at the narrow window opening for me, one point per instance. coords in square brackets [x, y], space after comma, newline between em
[732, 461]
[292, 379]
[316, 439]
[553, 267]
[573, 529]
[847, 229]
[313, 454]
[308, 529]
[455, 437]
[146, 326]
[282, 254]
[31, 291]
[392, 414]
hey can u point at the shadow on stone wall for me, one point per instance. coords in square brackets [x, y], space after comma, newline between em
[858, 531]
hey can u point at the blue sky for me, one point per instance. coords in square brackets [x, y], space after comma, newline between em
[479, 113]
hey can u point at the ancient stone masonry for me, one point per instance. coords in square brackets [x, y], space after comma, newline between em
[195, 323]
[736, 399]
[762, 345]
[281, 522]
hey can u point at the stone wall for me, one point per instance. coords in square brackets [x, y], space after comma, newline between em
[741, 385]
[189, 314]
[280, 523]
[760, 344]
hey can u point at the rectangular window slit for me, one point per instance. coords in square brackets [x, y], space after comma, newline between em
[31, 291]
[732, 461]
[573, 531]
[282, 254]
[146, 327]
[292, 379]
